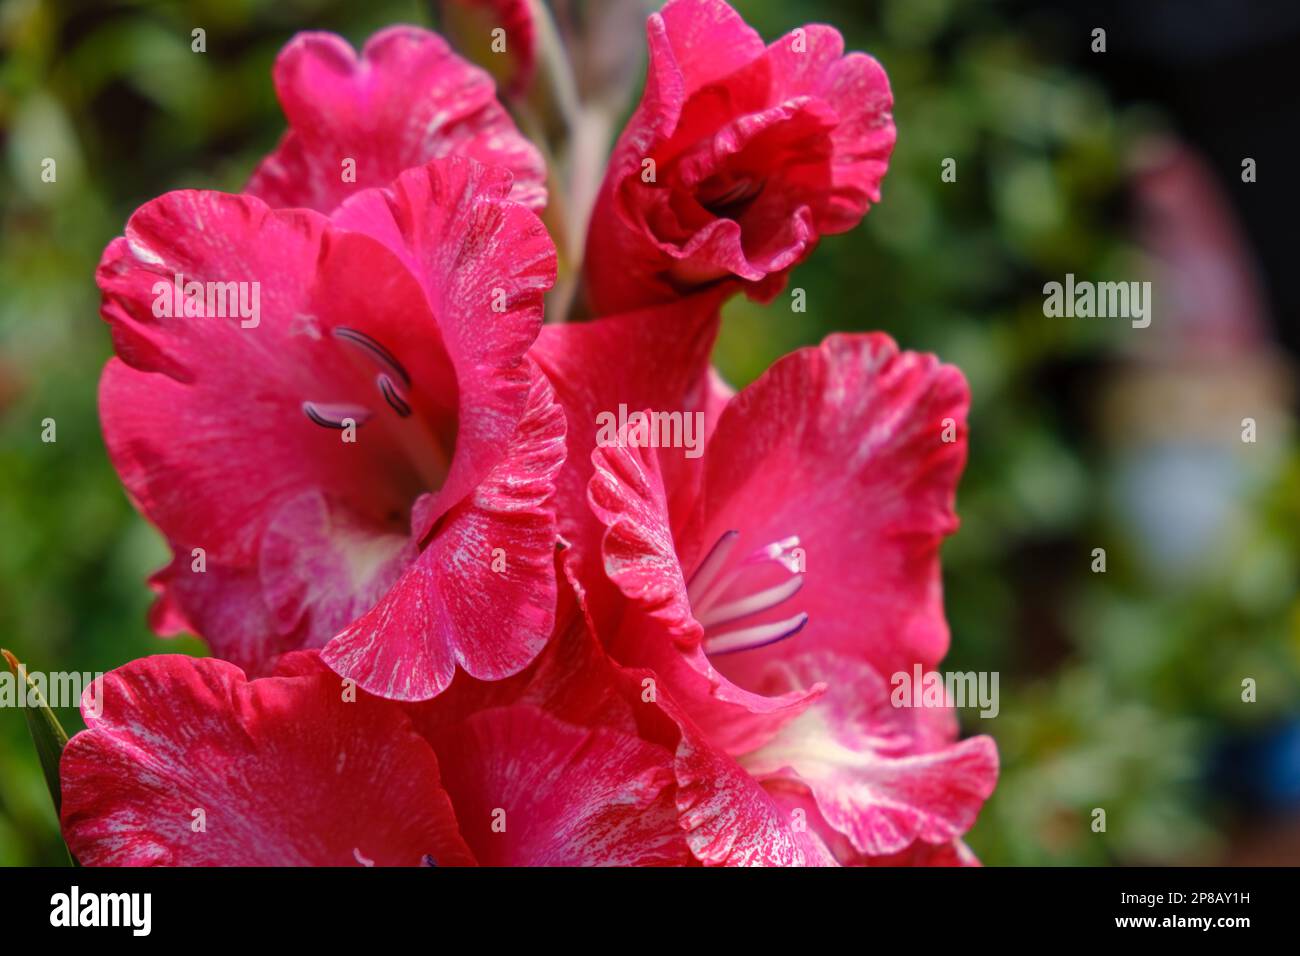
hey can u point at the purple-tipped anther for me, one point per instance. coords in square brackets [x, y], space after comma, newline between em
[374, 352]
[395, 395]
[336, 415]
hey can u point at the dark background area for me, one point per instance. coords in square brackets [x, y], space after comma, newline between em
[1223, 72]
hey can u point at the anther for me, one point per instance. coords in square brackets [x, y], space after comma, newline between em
[335, 415]
[373, 351]
[394, 395]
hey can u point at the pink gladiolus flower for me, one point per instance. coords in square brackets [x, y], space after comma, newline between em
[775, 584]
[357, 122]
[738, 158]
[401, 323]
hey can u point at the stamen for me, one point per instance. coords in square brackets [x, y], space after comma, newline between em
[419, 442]
[749, 638]
[709, 591]
[394, 395]
[711, 566]
[780, 552]
[336, 415]
[752, 604]
[722, 592]
[374, 351]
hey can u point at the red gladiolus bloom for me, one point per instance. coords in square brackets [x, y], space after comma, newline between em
[401, 323]
[739, 157]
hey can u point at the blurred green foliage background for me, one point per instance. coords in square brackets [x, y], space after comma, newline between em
[1119, 690]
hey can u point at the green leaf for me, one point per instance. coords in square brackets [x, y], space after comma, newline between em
[47, 734]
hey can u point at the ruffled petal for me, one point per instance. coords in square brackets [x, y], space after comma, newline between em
[730, 819]
[709, 40]
[856, 88]
[799, 803]
[628, 497]
[868, 765]
[225, 605]
[655, 358]
[482, 594]
[531, 790]
[189, 764]
[359, 121]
